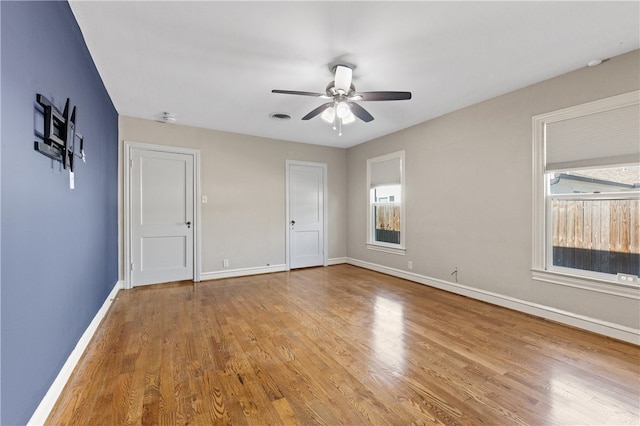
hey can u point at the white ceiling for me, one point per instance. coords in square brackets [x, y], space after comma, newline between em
[213, 64]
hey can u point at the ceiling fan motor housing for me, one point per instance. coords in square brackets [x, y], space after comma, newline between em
[332, 91]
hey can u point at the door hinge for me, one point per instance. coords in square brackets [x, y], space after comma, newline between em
[131, 266]
[131, 163]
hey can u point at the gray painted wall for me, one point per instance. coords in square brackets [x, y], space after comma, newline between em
[244, 180]
[469, 192]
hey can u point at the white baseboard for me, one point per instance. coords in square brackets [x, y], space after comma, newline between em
[241, 272]
[230, 273]
[594, 325]
[46, 405]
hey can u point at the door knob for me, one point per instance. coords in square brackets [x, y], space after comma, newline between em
[188, 224]
[293, 222]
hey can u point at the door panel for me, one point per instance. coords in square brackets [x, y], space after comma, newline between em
[158, 253]
[162, 216]
[307, 243]
[162, 190]
[306, 213]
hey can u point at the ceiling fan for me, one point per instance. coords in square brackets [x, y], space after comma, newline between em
[342, 108]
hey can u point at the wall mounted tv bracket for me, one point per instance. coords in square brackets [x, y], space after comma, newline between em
[58, 139]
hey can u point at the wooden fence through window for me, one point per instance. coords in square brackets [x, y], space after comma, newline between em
[387, 218]
[597, 235]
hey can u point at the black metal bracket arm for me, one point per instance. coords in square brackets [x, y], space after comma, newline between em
[58, 139]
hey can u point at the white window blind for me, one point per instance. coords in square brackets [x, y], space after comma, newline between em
[387, 172]
[599, 139]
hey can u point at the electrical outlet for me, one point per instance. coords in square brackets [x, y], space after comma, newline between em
[410, 264]
[225, 263]
[627, 278]
[204, 199]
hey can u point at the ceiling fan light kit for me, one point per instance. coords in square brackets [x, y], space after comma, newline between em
[342, 109]
[338, 116]
[329, 115]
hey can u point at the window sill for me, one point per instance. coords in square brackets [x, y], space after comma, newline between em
[386, 249]
[587, 283]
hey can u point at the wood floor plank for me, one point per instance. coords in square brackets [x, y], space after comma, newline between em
[340, 345]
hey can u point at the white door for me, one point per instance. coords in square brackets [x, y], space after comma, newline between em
[162, 219]
[306, 186]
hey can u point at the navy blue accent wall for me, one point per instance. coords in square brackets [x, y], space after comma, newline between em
[59, 246]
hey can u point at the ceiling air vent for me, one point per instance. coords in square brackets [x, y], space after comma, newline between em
[280, 116]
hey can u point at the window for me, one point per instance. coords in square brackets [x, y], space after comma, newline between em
[587, 193]
[385, 177]
[594, 220]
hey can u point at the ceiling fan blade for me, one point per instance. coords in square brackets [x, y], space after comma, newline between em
[317, 111]
[383, 96]
[295, 92]
[360, 112]
[342, 80]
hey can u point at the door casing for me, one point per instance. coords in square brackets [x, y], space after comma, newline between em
[127, 207]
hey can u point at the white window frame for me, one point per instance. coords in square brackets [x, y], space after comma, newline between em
[371, 243]
[542, 265]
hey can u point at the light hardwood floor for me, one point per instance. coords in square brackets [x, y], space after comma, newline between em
[341, 345]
